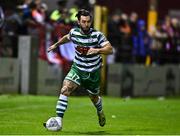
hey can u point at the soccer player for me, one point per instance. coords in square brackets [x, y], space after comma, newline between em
[85, 70]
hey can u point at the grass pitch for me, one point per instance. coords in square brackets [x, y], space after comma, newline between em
[25, 114]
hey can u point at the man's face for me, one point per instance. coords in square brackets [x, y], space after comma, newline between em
[85, 23]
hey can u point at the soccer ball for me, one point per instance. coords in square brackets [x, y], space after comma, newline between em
[54, 124]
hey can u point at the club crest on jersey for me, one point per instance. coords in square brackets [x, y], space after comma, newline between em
[82, 50]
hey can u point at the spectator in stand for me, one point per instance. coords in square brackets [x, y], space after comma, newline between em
[64, 19]
[125, 49]
[25, 8]
[142, 48]
[38, 3]
[39, 13]
[169, 47]
[133, 22]
[114, 34]
[57, 14]
[30, 20]
[10, 31]
[175, 40]
[133, 19]
[159, 38]
[25, 13]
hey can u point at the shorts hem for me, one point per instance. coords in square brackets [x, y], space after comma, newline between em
[92, 92]
[72, 81]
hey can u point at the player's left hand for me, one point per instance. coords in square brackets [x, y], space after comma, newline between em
[92, 51]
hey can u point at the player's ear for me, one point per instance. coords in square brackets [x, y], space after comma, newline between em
[78, 22]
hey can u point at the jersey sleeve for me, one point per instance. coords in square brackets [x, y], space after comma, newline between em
[102, 40]
[70, 34]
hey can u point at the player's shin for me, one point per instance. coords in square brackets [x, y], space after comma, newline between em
[98, 104]
[100, 113]
[61, 105]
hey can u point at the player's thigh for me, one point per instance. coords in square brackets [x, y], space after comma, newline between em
[71, 82]
[73, 76]
[92, 84]
[93, 87]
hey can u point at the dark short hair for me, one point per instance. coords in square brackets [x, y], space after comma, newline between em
[83, 12]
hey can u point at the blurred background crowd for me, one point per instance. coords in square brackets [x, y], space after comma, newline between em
[133, 43]
[127, 32]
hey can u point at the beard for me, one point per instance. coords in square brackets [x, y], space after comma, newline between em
[85, 31]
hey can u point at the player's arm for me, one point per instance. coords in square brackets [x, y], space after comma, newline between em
[106, 49]
[61, 41]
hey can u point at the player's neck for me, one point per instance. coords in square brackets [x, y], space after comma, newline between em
[86, 32]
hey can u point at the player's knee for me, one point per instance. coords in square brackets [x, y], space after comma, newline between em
[94, 98]
[66, 90]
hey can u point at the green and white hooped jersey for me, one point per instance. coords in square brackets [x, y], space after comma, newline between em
[82, 42]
